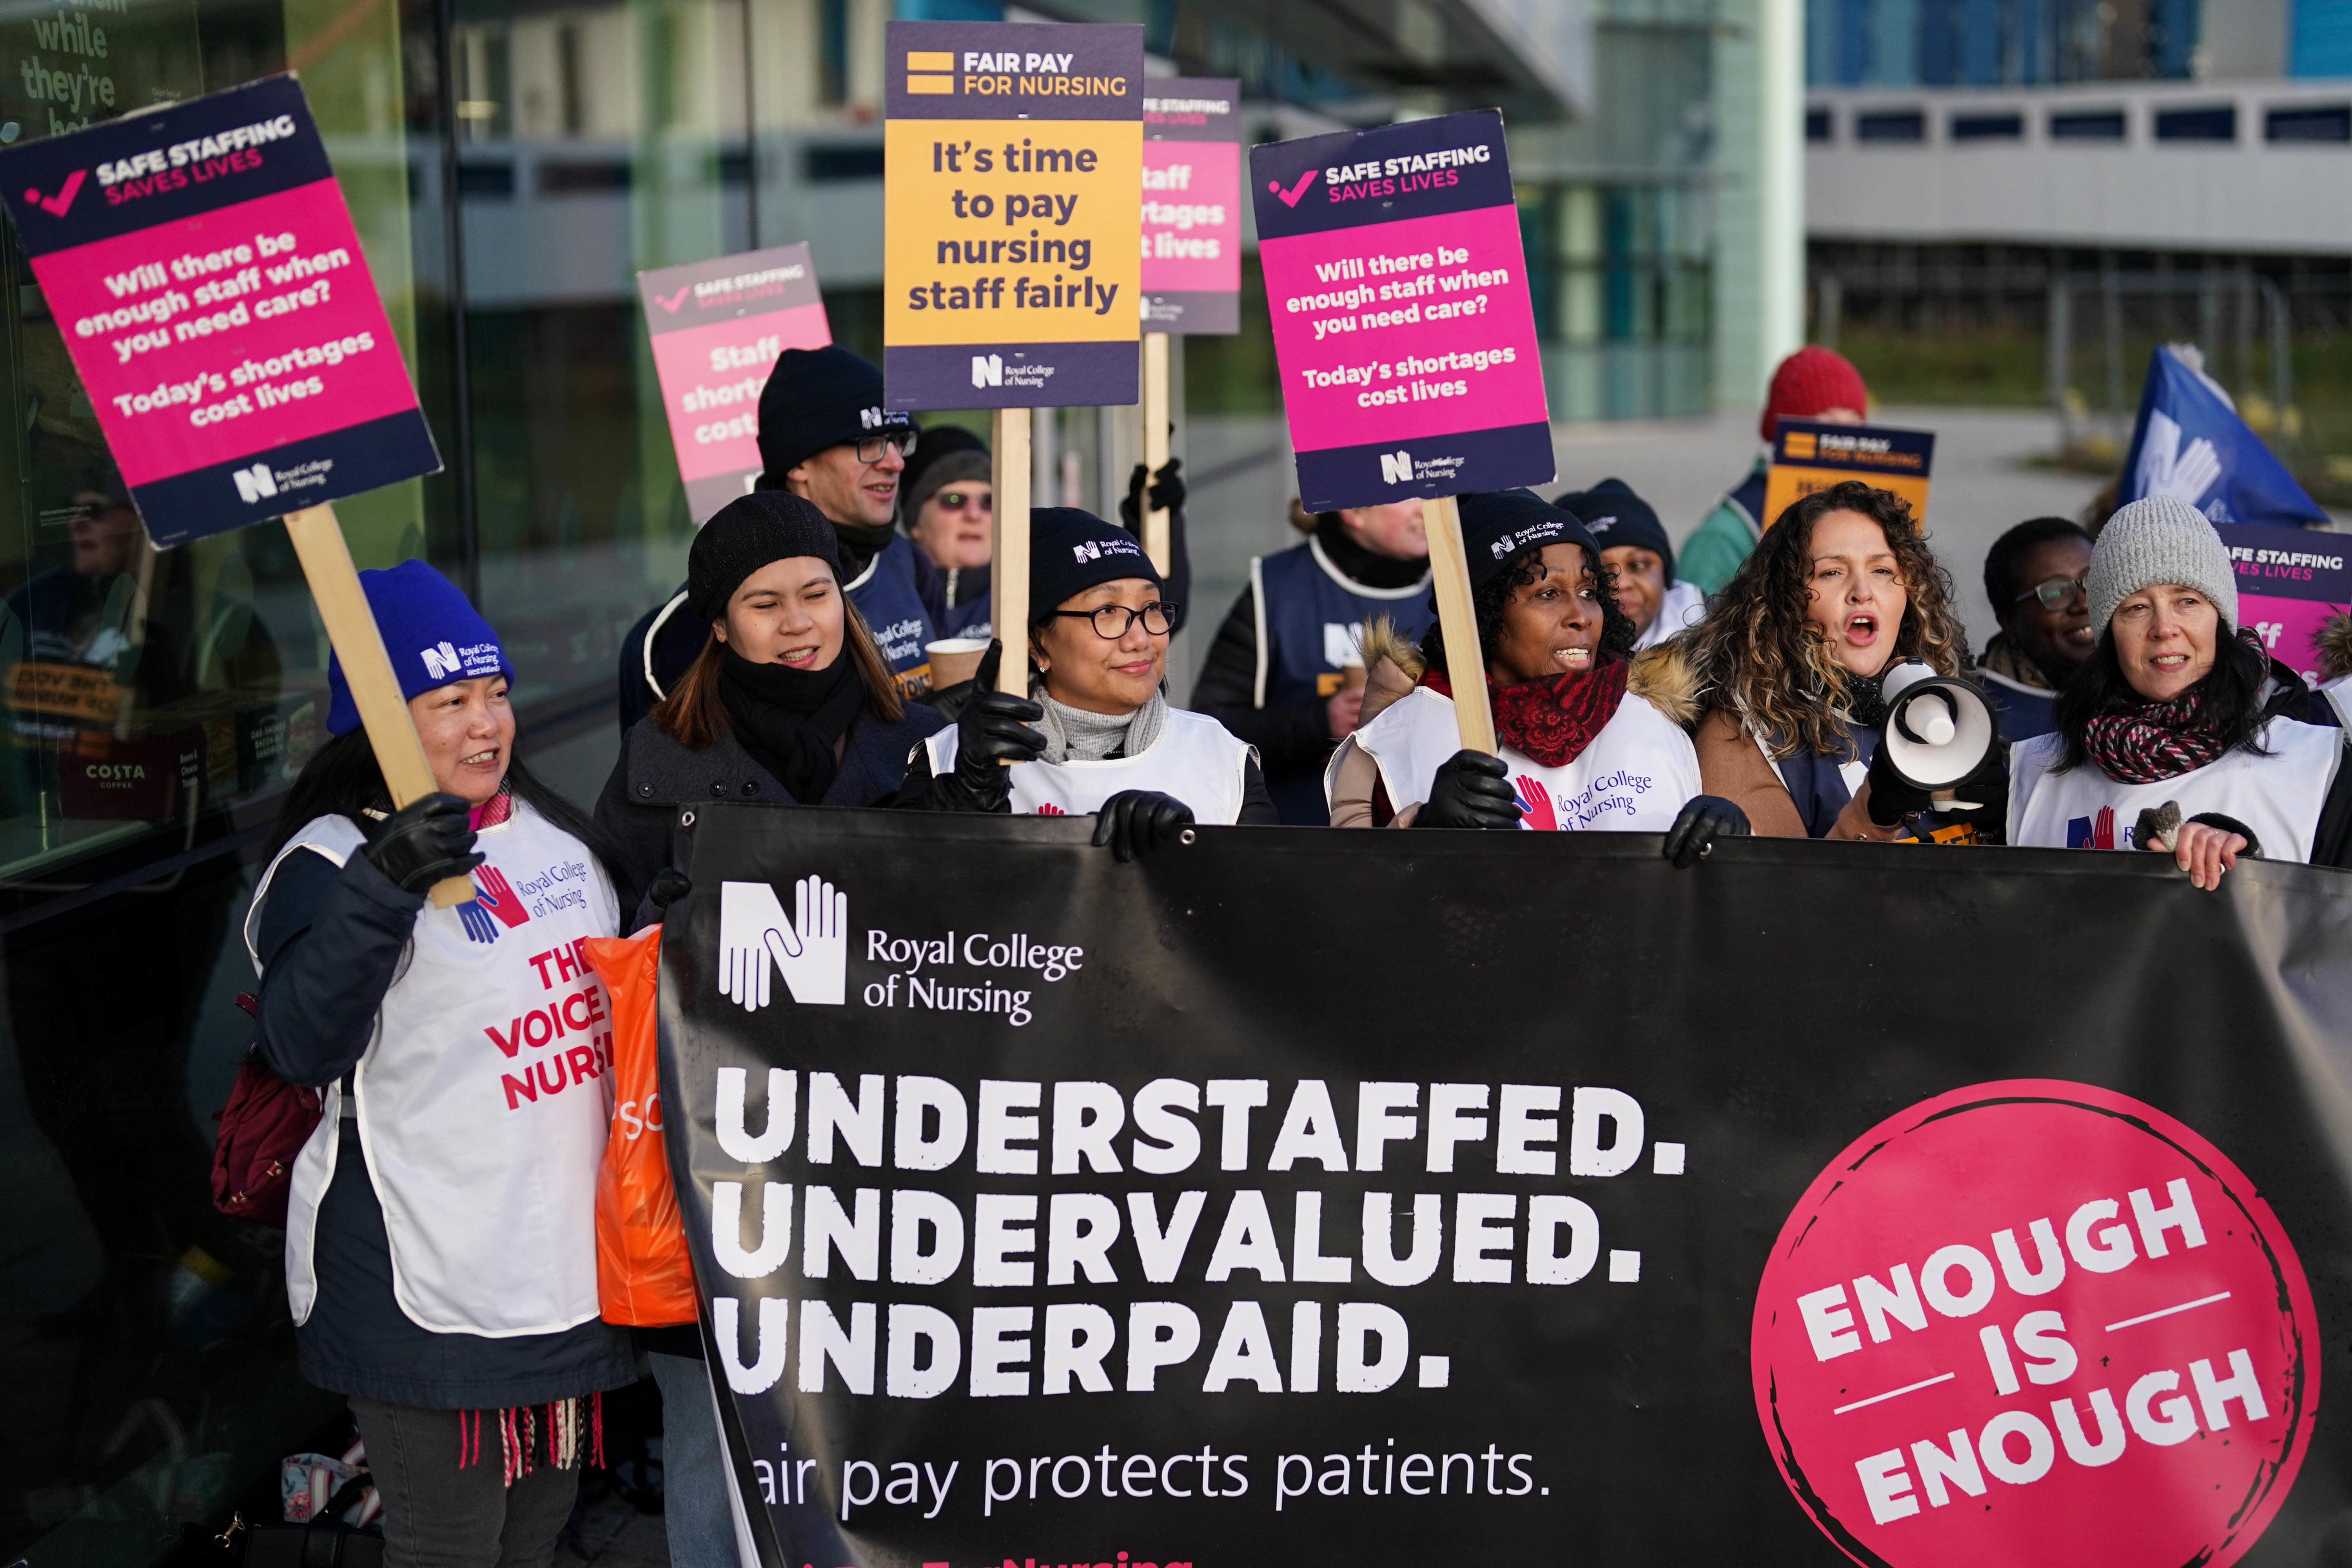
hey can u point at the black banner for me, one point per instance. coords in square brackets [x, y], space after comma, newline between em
[1430, 1197]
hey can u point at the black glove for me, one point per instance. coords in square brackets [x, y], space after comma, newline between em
[1167, 493]
[423, 842]
[1892, 799]
[1704, 819]
[669, 885]
[1138, 821]
[993, 730]
[1471, 790]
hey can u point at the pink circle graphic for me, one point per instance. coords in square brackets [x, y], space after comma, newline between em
[2036, 1324]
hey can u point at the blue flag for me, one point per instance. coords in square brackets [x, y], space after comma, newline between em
[2191, 443]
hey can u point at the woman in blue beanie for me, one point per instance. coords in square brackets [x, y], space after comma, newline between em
[1097, 735]
[2173, 735]
[790, 702]
[441, 1235]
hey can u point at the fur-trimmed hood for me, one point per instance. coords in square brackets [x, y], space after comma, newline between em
[1662, 676]
[2336, 647]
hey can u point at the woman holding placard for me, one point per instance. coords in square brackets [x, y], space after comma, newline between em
[1097, 736]
[1582, 747]
[1790, 662]
[441, 1233]
[789, 701]
[2173, 735]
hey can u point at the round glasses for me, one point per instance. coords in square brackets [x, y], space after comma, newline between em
[869, 448]
[1112, 621]
[2054, 592]
[956, 501]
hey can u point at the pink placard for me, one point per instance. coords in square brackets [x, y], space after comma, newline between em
[1191, 218]
[1397, 330]
[711, 377]
[205, 339]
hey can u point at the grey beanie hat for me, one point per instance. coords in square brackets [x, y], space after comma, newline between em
[2160, 539]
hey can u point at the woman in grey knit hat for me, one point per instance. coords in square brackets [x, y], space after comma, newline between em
[2174, 735]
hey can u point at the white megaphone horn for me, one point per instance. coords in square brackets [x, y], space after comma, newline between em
[1939, 730]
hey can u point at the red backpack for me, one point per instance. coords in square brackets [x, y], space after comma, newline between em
[262, 1128]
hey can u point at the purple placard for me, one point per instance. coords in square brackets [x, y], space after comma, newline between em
[2290, 580]
[1403, 324]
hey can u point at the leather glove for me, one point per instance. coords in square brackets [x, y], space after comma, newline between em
[1704, 819]
[1471, 790]
[1167, 493]
[423, 842]
[993, 730]
[1138, 821]
[1891, 799]
[669, 885]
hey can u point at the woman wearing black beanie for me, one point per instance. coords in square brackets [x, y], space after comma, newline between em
[789, 701]
[1095, 736]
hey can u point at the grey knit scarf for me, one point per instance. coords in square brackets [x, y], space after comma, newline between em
[1074, 735]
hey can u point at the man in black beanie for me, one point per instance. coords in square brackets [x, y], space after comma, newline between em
[826, 435]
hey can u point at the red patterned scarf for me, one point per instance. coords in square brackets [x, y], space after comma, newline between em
[1554, 718]
[2149, 743]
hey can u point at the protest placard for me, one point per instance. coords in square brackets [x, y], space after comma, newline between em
[1042, 1214]
[1403, 327]
[1012, 260]
[716, 326]
[208, 283]
[1191, 205]
[1811, 455]
[2290, 580]
[205, 274]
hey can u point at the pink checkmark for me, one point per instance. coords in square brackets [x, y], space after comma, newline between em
[675, 300]
[55, 206]
[1290, 198]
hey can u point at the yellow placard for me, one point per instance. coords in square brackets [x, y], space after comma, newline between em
[1808, 457]
[1011, 231]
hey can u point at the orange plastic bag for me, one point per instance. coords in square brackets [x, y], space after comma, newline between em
[644, 1276]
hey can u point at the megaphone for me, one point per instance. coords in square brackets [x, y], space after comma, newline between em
[1939, 730]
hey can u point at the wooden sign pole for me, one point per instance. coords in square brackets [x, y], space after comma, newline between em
[1008, 574]
[1155, 444]
[367, 669]
[1449, 577]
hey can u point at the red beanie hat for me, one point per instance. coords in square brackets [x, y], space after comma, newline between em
[1810, 382]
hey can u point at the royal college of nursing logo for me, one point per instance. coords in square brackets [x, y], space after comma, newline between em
[811, 950]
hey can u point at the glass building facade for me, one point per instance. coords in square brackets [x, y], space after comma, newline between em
[511, 165]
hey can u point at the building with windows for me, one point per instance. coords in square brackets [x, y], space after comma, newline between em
[511, 165]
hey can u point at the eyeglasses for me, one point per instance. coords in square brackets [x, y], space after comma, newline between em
[2054, 592]
[869, 448]
[956, 501]
[1112, 621]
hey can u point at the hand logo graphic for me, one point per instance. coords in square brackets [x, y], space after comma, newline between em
[2166, 468]
[811, 951]
[496, 894]
[1538, 800]
[477, 921]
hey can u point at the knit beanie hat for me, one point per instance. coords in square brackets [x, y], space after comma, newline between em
[949, 454]
[1070, 551]
[1502, 526]
[1614, 515]
[2160, 539]
[1811, 382]
[431, 631]
[747, 534]
[817, 398]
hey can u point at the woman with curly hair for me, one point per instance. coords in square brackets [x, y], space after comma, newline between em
[1579, 749]
[2175, 734]
[1789, 660]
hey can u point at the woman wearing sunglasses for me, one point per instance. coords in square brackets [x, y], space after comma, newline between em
[2033, 574]
[1096, 735]
[948, 502]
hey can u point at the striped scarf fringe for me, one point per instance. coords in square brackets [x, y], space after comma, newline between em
[560, 1433]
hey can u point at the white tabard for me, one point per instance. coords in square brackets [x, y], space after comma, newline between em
[1195, 759]
[483, 1098]
[2279, 797]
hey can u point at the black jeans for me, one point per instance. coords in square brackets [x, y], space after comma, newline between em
[436, 1515]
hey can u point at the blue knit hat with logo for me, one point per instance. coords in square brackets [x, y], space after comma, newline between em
[431, 631]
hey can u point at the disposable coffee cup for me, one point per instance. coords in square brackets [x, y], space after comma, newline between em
[954, 660]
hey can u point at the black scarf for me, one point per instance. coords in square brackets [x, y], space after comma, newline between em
[860, 544]
[1371, 569]
[789, 719]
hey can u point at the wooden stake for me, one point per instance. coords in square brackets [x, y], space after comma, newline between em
[1449, 577]
[1008, 574]
[367, 669]
[1155, 442]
